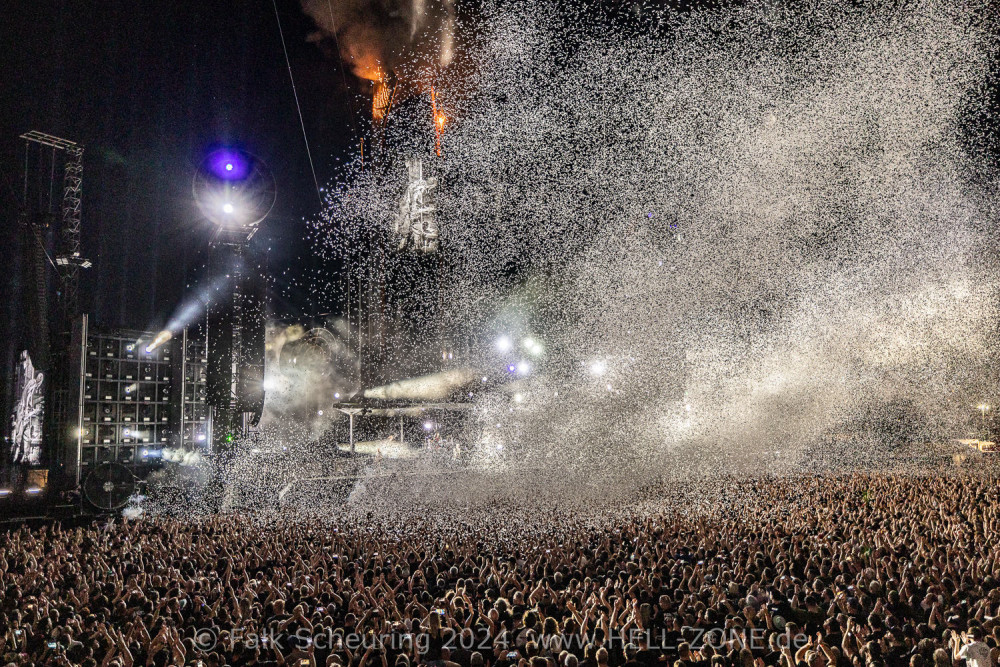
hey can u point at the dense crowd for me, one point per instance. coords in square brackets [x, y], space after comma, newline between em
[833, 571]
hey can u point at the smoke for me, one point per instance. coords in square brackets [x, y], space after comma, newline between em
[433, 387]
[307, 373]
[760, 224]
[377, 37]
[182, 457]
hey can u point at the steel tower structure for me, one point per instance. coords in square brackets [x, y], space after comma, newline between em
[68, 259]
[234, 190]
[47, 299]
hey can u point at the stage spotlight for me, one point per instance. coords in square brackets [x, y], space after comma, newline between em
[269, 384]
[235, 190]
[598, 368]
[4, 493]
[503, 344]
[533, 347]
[523, 367]
[33, 490]
[229, 164]
[428, 426]
[160, 339]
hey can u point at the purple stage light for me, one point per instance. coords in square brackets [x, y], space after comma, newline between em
[229, 165]
[234, 189]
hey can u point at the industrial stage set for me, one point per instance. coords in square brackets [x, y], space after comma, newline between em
[89, 411]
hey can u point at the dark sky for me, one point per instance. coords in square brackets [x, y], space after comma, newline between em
[148, 88]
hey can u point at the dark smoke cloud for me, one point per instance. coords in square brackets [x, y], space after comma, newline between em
[381, 36]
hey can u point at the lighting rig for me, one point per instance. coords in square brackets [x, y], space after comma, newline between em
[234, 190]
[38, 401]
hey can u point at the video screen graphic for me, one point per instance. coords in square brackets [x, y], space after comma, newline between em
[29, 413]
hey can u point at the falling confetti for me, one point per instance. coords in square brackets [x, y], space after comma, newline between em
[674, 244]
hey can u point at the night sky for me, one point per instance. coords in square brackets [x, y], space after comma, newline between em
[148, 89]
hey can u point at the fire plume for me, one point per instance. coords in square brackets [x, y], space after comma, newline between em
[382, 40]
[439, 120]
[381, 97]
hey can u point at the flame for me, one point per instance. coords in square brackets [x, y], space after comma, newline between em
[381, 96]
[439, 120]
[364, 57]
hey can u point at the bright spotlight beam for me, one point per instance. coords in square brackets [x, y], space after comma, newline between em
[234, 189]
[160, 339]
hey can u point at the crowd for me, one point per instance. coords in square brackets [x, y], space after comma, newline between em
[852, 570]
